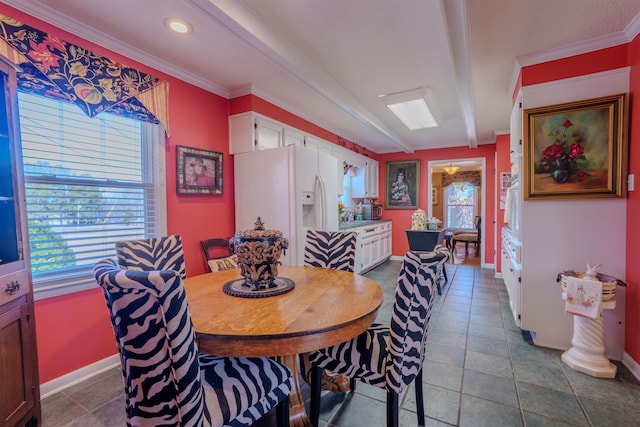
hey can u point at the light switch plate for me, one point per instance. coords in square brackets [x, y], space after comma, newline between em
[630, 182]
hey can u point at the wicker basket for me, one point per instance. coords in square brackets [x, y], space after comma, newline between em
[608, 283]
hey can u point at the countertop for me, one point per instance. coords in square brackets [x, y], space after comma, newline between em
[346, 225]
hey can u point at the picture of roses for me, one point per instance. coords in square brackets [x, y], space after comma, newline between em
[574, 150]
[561, 158]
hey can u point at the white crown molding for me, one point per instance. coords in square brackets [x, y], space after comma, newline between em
[573, 49]
[45, 13]
[614, 39]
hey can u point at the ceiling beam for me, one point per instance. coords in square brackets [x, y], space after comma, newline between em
[245, 24]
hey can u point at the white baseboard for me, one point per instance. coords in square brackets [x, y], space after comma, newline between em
[631, 364]
[84, 373]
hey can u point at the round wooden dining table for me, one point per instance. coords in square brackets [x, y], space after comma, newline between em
[324, 308]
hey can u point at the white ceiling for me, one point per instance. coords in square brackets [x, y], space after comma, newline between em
[329, 60]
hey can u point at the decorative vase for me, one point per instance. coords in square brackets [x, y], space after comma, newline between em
[561, 171]
[258, 253]
[419, 220]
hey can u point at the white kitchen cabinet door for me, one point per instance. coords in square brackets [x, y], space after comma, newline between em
[268, 134]
[338, 153]
[317, 144]
[293, 137]
[515, 146]
[250, 132]
[372, 179]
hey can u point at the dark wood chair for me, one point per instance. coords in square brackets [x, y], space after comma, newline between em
[218, 254]
[468, 237]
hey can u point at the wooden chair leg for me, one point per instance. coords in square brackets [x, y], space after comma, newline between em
[314, 404]
[419, 398]
[392, 409]
[282, 413]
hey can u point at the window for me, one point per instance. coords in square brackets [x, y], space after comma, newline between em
[89, 183]
[460, 206]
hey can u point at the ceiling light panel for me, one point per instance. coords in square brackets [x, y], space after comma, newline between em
[414, 108]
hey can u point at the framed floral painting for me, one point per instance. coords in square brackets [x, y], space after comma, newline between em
[575, 150]
[402, 184]
[198, 171]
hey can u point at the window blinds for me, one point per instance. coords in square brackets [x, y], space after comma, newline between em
[89, 183]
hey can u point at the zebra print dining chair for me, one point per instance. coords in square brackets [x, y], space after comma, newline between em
[336, 250]
[442, 271]
[331, 249]
[167, 382]
[388, 357]
[157, 253]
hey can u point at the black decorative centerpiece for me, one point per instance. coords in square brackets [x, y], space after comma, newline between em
[258, 253]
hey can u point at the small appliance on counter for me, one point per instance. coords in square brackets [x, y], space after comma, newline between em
[371, 211]
[376, 211]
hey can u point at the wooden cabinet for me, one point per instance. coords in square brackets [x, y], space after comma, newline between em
[19, 388]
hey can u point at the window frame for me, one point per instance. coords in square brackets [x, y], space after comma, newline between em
[476, 191]
[61, 283]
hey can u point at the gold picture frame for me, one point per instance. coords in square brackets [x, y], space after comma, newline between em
[575, 150]
[402, 184]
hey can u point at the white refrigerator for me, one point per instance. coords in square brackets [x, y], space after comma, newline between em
[292, 189]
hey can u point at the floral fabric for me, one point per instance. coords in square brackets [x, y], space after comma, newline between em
[222, 264]
[56, 69]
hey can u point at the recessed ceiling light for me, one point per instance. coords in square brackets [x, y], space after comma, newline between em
[178, 25]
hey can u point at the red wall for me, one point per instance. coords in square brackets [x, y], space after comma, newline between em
[74, 330]
[402, 218]
[632, 308]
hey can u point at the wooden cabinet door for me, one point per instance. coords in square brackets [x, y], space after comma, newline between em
[16, 387]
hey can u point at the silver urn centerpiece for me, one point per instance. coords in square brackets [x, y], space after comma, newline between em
[258, 253]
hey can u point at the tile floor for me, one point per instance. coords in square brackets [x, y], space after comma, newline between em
[479, 371]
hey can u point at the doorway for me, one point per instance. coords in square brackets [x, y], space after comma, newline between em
[442, 173]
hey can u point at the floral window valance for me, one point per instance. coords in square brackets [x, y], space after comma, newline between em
[56, 69]
[472, 177]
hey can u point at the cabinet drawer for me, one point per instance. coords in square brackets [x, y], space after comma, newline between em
[13, 286]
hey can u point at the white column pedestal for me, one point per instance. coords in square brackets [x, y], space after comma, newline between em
[587, 352]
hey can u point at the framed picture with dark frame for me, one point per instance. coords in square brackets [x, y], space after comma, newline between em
[402, 184]
[575, 150]
[198, 171]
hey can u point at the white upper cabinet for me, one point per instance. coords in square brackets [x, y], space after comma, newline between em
[318, 144]
[516, 129]
[364, 184]
[269, 134]
[372, 178]
[251, 132]
[293, 137]
[338, 153]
